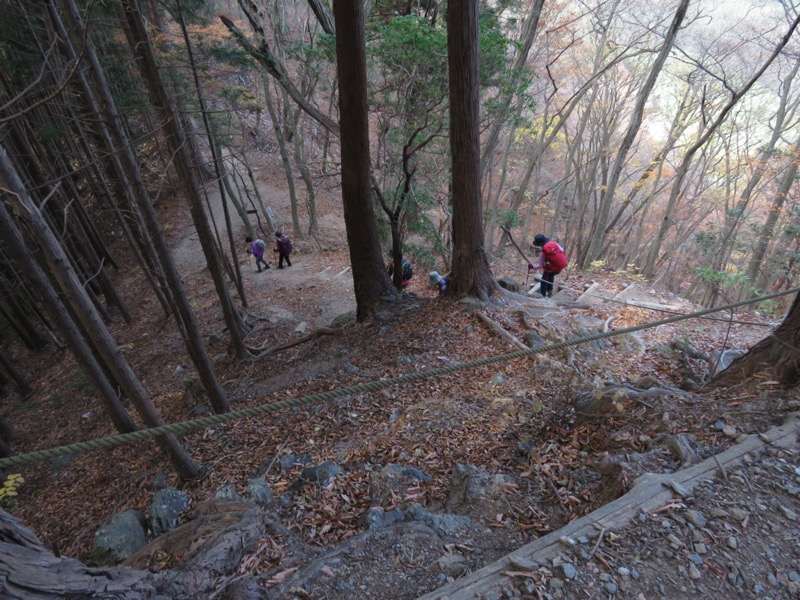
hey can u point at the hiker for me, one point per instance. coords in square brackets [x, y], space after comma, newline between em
[257, 249]
[552, 261]
[440, 281]
[408, 273]
[283, 246]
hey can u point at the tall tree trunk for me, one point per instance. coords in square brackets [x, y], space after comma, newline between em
[601, 219]
[76, 295]
[777, 355]
[143, 50]
[369, 275]
[471, 274]
[142, 207]
[215, 155]
[683, 167]
[768, 229]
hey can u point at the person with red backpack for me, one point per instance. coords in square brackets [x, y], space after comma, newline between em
[552, 261]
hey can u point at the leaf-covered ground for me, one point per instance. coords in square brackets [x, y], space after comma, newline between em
[514, 418]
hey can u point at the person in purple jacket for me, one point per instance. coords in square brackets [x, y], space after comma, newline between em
[257, 249]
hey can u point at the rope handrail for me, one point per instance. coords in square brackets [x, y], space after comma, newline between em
[370, 386]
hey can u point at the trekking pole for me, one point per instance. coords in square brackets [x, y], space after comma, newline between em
[521, 253]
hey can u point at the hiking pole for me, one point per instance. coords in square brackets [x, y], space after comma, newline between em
[521, 253]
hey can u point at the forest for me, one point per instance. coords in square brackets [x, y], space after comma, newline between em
[657, 143]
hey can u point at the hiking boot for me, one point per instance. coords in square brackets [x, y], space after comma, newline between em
[259, 271]
[280, 267]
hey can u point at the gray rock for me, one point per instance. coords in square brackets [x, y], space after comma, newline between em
[532, 339]
[119, 538]
[291, 461]
[443, 523]
[696, 518]
[200, 409]
[569, 571]
[228, 492]
[508, 283]
[452, 565]
[321, 474]
[61, 463]
[258, 489]
[347, 318]
[788, 512]
[719, 361]
[496, 380]
[694, 572]
[165, 510]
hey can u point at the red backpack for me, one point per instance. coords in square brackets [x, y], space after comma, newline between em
[554, 258]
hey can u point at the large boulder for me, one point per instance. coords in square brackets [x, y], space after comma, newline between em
[119, 538]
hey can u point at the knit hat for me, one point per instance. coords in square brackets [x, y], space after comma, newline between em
[278, 233]
[539, 240]
[435, 278]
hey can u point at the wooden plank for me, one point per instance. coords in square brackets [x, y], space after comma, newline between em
[651, 491]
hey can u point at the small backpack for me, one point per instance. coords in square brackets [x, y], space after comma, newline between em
[285, 245]
[554, 258]
[261, 244]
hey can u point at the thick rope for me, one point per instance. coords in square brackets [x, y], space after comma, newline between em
[370, 386]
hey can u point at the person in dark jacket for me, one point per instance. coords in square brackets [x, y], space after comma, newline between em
[283, 246]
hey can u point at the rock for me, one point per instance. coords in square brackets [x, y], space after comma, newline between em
[347, 318]
[729, 431]
[696, 518]
[509, 284]
[532, 339]
[321, 474]
[393, 480]
[630, 343]
[646, 382]
[522, 564]
[496, 380]
[732, 543]
[568, 570]
[452, 565]
[228, 492]
[694, 572]
[719, 361]
[442, 523]
[739, 514]
[258, 489]
[198, 410]
[165, 510]
[290, 461]
[679, 489]
[61, 463]
[119, 538]
[301, 327]
[788, 512]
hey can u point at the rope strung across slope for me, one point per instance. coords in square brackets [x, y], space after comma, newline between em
[370, 386]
